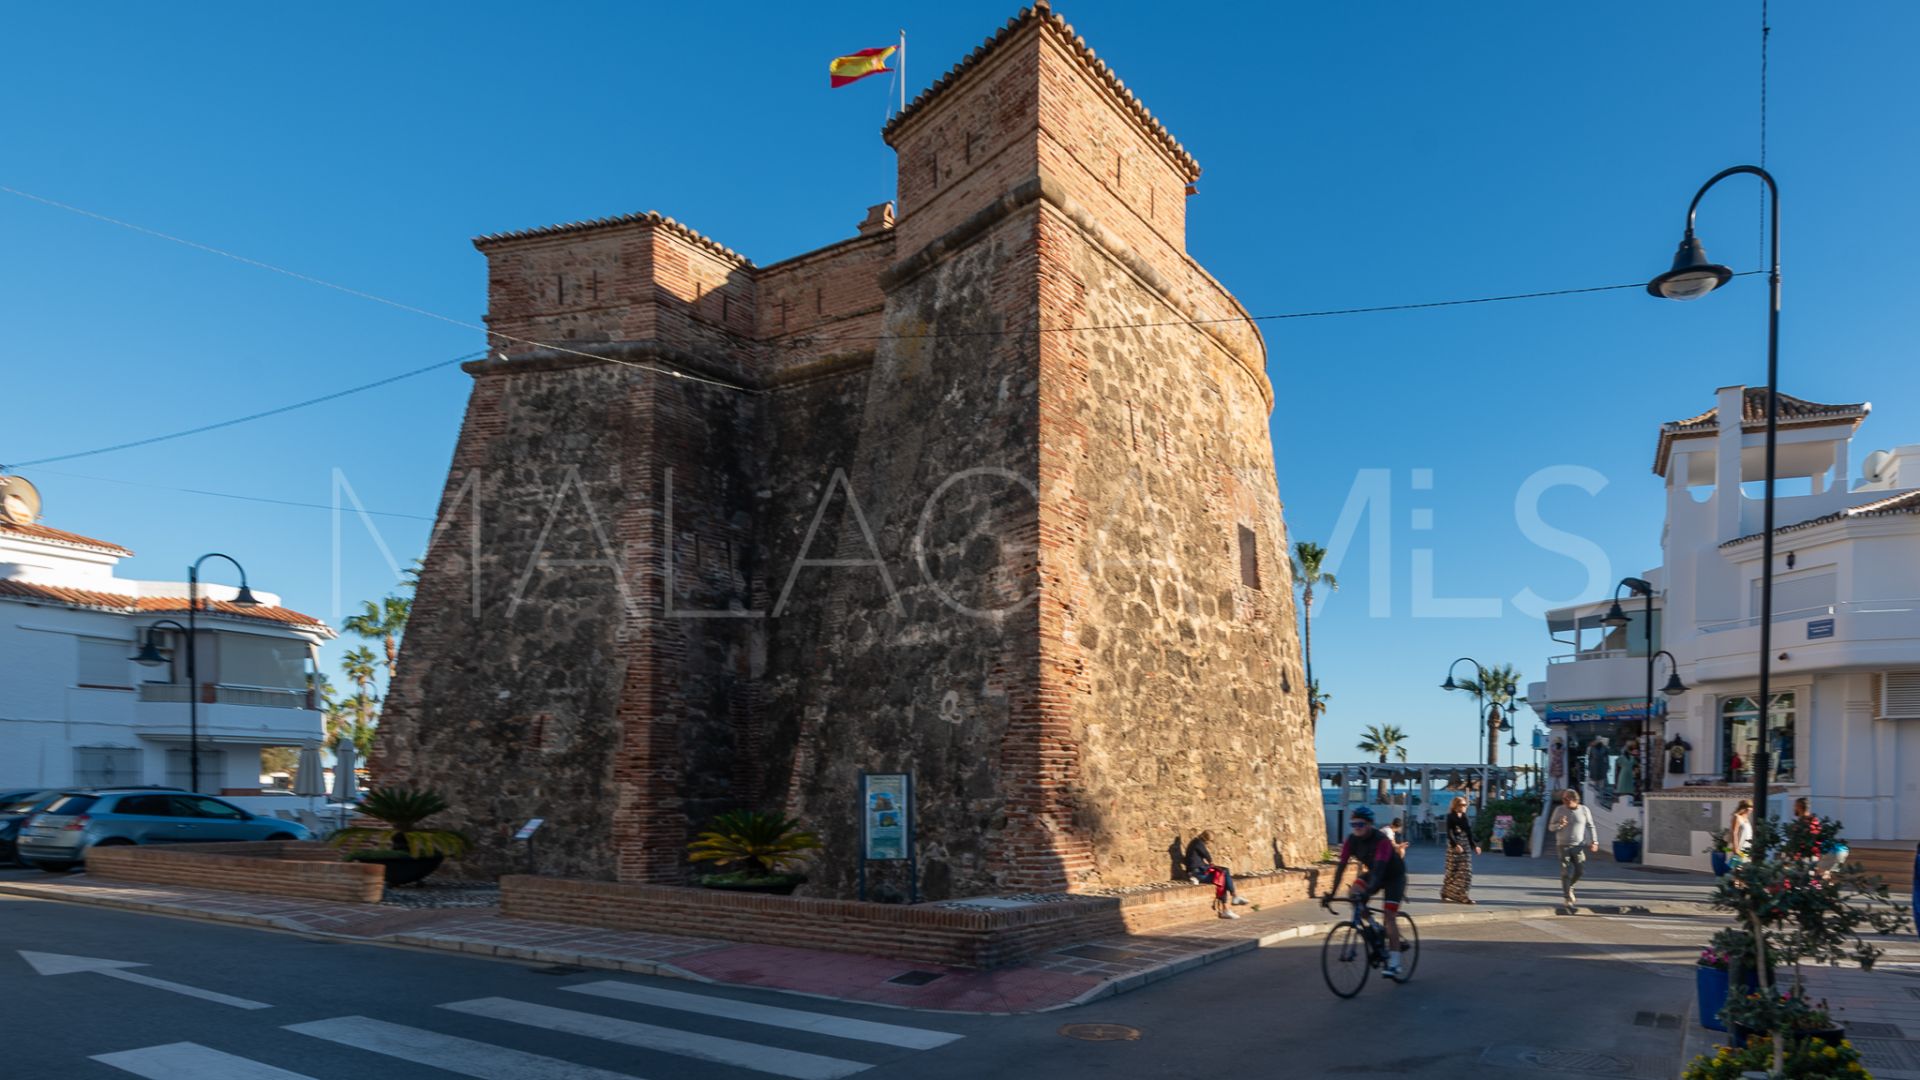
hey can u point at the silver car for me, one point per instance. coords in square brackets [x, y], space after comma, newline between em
[58, 837]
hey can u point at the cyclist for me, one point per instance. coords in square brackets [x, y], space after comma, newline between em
[1382, 870]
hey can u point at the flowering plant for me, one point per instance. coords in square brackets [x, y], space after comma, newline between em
[1728, 949]
[1712, 958]
[1808, 1058]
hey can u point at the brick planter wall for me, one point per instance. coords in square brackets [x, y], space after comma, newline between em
[278, 868]
[927, 933]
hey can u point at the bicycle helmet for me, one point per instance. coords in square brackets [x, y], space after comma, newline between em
[1362, 813]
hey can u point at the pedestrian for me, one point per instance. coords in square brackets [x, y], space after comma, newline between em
[1397, 832]
[1460, 852]
[1740, 832]
[1573, 831]
[1200, 867]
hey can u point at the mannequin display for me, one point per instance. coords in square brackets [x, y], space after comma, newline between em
[1625, 770]
[1677, 748]
[1597, 761]
[1557, 763]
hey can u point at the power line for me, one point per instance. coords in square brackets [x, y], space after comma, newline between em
[325, 284]
[150, 440]
[230, 495]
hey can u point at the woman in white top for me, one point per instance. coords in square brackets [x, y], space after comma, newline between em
[1740, 832]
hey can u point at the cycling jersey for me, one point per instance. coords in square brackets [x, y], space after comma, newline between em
[1382, 868]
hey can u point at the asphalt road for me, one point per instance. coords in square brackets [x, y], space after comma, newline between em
[1550, 997]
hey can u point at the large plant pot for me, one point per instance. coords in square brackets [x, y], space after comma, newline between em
[1832, 1036]
[783, 887]
[1627, 851]
[1720, 864]
[401, 868]
[1711, 985]
[1514, 845]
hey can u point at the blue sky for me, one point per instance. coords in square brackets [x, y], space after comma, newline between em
[1355, 154]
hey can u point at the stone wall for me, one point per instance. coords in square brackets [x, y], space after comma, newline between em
[963, 496]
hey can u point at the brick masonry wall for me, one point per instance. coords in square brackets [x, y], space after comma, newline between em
[308, 870]
[962, 938]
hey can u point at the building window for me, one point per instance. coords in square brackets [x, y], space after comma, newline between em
[266, 662]
[213, 769]
[104, 664]
[1739, 726]
[1249, 558]
[105, 766]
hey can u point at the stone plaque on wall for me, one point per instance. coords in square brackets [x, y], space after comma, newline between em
[1671, 824]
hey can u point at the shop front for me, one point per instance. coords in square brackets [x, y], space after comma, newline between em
[1596, 746]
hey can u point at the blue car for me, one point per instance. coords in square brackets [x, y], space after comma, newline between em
[57, 838]
[15, 808]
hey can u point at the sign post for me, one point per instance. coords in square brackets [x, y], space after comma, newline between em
[526, 833]
[886, 826]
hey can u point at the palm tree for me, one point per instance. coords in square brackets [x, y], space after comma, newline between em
[1307, 559]
[1494, 686]
[386, 621]
[1317, 701]
[1384, 739]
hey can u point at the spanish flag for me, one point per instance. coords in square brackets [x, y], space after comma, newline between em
[856, 66]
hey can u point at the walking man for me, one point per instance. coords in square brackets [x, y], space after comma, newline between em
[1573, 831]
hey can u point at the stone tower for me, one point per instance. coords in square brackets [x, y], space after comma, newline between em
[983, 493]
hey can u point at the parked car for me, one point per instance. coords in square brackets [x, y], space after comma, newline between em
[15, 808]
[58, 837]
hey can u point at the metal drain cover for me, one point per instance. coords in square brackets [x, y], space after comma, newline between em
[1101, 1032]
[558, 969]
[916, 978]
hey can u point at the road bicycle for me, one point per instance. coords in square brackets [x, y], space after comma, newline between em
[1359, 944]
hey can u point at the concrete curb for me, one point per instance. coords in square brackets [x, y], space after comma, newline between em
[662, 969]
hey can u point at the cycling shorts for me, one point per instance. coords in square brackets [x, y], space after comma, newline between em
[1391, 888]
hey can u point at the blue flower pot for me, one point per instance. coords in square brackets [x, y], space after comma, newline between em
[1720, 864]
[1626, 851]
[1712, 985]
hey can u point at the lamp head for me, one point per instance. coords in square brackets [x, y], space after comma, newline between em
[1674, 687]
[246, 597]
[1692, 276]
[1449, 684]
[1615, 617]
[149, 654]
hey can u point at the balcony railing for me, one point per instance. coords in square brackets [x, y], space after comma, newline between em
[1850, 607]
[1589, 654]
[259, 696]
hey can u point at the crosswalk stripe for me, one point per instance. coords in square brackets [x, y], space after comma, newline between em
[766, 1059]
[839, 1027]
[191, 1061]
[450, 1052]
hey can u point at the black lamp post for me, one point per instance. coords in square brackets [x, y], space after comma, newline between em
[1616, 618]
[1692, 277]
[1480, 720]
[151, 656]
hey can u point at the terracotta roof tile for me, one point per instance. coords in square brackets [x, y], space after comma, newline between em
[1905, 502]
[1042, 12]
[150, 605]
[1753, 417]
[654, 216]
[61, 536]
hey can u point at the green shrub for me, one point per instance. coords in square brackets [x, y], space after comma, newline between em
[1524, 808]
[753, 841]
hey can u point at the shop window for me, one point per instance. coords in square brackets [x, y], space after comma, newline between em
[1739, 732]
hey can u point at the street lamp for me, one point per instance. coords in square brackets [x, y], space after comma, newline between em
[1480, 720]
[151, 656]
[1617, 619]
[1692, 277]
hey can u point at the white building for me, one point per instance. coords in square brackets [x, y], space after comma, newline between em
[75, 710]
[1845, 678]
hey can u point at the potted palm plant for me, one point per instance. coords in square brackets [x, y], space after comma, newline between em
[1626, 842]
[397, 843]
[757, 852]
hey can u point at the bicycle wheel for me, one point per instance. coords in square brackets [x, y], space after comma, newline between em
[1410, 945]
[1344, 960]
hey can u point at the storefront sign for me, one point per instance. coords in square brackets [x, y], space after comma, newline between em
[884, 802]
[1590, 712]
[1819, 628]
[1502, 825]
[532, 826]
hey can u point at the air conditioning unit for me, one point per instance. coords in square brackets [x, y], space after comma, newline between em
[1900, 695]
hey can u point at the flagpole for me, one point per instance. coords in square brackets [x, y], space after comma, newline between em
[903, 69]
